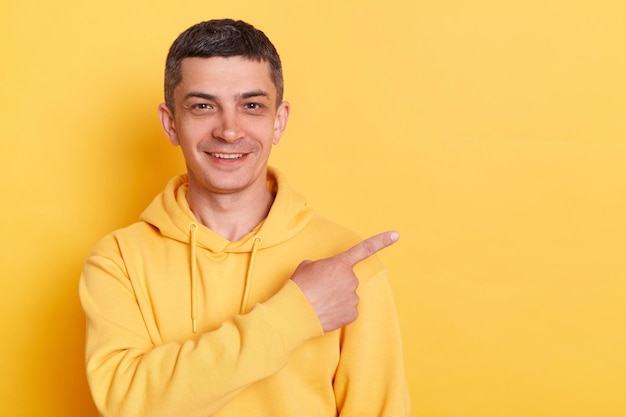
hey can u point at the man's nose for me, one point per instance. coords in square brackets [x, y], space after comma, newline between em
[228, 127]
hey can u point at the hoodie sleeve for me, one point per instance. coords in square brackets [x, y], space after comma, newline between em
[130, 376]
[370, 379]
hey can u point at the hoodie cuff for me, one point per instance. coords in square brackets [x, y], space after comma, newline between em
[293, 316]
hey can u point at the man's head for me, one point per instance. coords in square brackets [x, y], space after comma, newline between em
[221, 38]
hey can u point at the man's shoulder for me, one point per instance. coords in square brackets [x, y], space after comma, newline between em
[137, 230]
[135, 233]
[332, 229]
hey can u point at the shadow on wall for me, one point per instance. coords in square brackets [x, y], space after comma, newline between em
[64, 353]
[133, 161]
[125, 168]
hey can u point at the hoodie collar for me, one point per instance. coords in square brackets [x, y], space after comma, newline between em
[169, 212]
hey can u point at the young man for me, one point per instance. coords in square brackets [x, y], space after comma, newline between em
[208, 306]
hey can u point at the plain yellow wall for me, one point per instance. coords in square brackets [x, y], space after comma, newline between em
[492, 134]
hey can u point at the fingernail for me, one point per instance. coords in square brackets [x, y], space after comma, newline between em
[394, 236]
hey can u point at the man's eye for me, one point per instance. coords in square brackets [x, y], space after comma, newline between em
[202, 106]
[252, 106]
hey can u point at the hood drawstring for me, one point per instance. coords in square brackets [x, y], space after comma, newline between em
[194, 276]
[246, 286]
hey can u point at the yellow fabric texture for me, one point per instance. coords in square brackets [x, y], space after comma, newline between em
[144, 358]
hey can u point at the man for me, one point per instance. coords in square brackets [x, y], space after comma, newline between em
[208, 306]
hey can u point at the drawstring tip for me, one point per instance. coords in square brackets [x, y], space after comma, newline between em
[194, 323]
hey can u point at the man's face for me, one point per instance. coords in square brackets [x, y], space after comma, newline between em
[225, 121]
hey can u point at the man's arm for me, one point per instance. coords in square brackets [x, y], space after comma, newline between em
[131, 376]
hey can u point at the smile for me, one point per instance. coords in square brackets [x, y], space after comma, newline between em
[227, 155]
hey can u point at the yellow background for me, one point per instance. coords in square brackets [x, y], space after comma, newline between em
[491, 134]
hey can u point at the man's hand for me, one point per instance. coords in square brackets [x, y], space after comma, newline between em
[330, 284]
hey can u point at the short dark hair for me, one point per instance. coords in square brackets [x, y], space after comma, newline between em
[221, 38]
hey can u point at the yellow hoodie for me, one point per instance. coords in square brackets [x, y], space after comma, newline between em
[184, 323]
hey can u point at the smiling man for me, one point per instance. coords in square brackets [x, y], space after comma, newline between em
[209, 305]
[226, 116]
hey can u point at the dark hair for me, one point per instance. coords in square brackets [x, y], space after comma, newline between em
[221, 38]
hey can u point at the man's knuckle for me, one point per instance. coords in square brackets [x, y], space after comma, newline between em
[369, 247]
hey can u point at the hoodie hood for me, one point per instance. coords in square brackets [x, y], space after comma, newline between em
[170, 213]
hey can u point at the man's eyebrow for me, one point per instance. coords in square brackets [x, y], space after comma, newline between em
[242, 96]
[198, 94]
[255, 93]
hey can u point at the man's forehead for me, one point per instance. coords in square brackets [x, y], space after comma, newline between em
[231, 64]
[223, 72]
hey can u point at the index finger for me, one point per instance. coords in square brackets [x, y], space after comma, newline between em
[369, 246]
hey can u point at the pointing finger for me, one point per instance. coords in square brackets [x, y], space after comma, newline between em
[368, 247]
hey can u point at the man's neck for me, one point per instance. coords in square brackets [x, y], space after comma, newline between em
[232, 216]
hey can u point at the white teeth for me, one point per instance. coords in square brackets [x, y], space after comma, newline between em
[227, 155]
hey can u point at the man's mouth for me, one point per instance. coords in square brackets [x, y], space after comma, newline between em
[226, 155]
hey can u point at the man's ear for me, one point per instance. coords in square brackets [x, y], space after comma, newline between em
[168, 124]
[280, 121]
